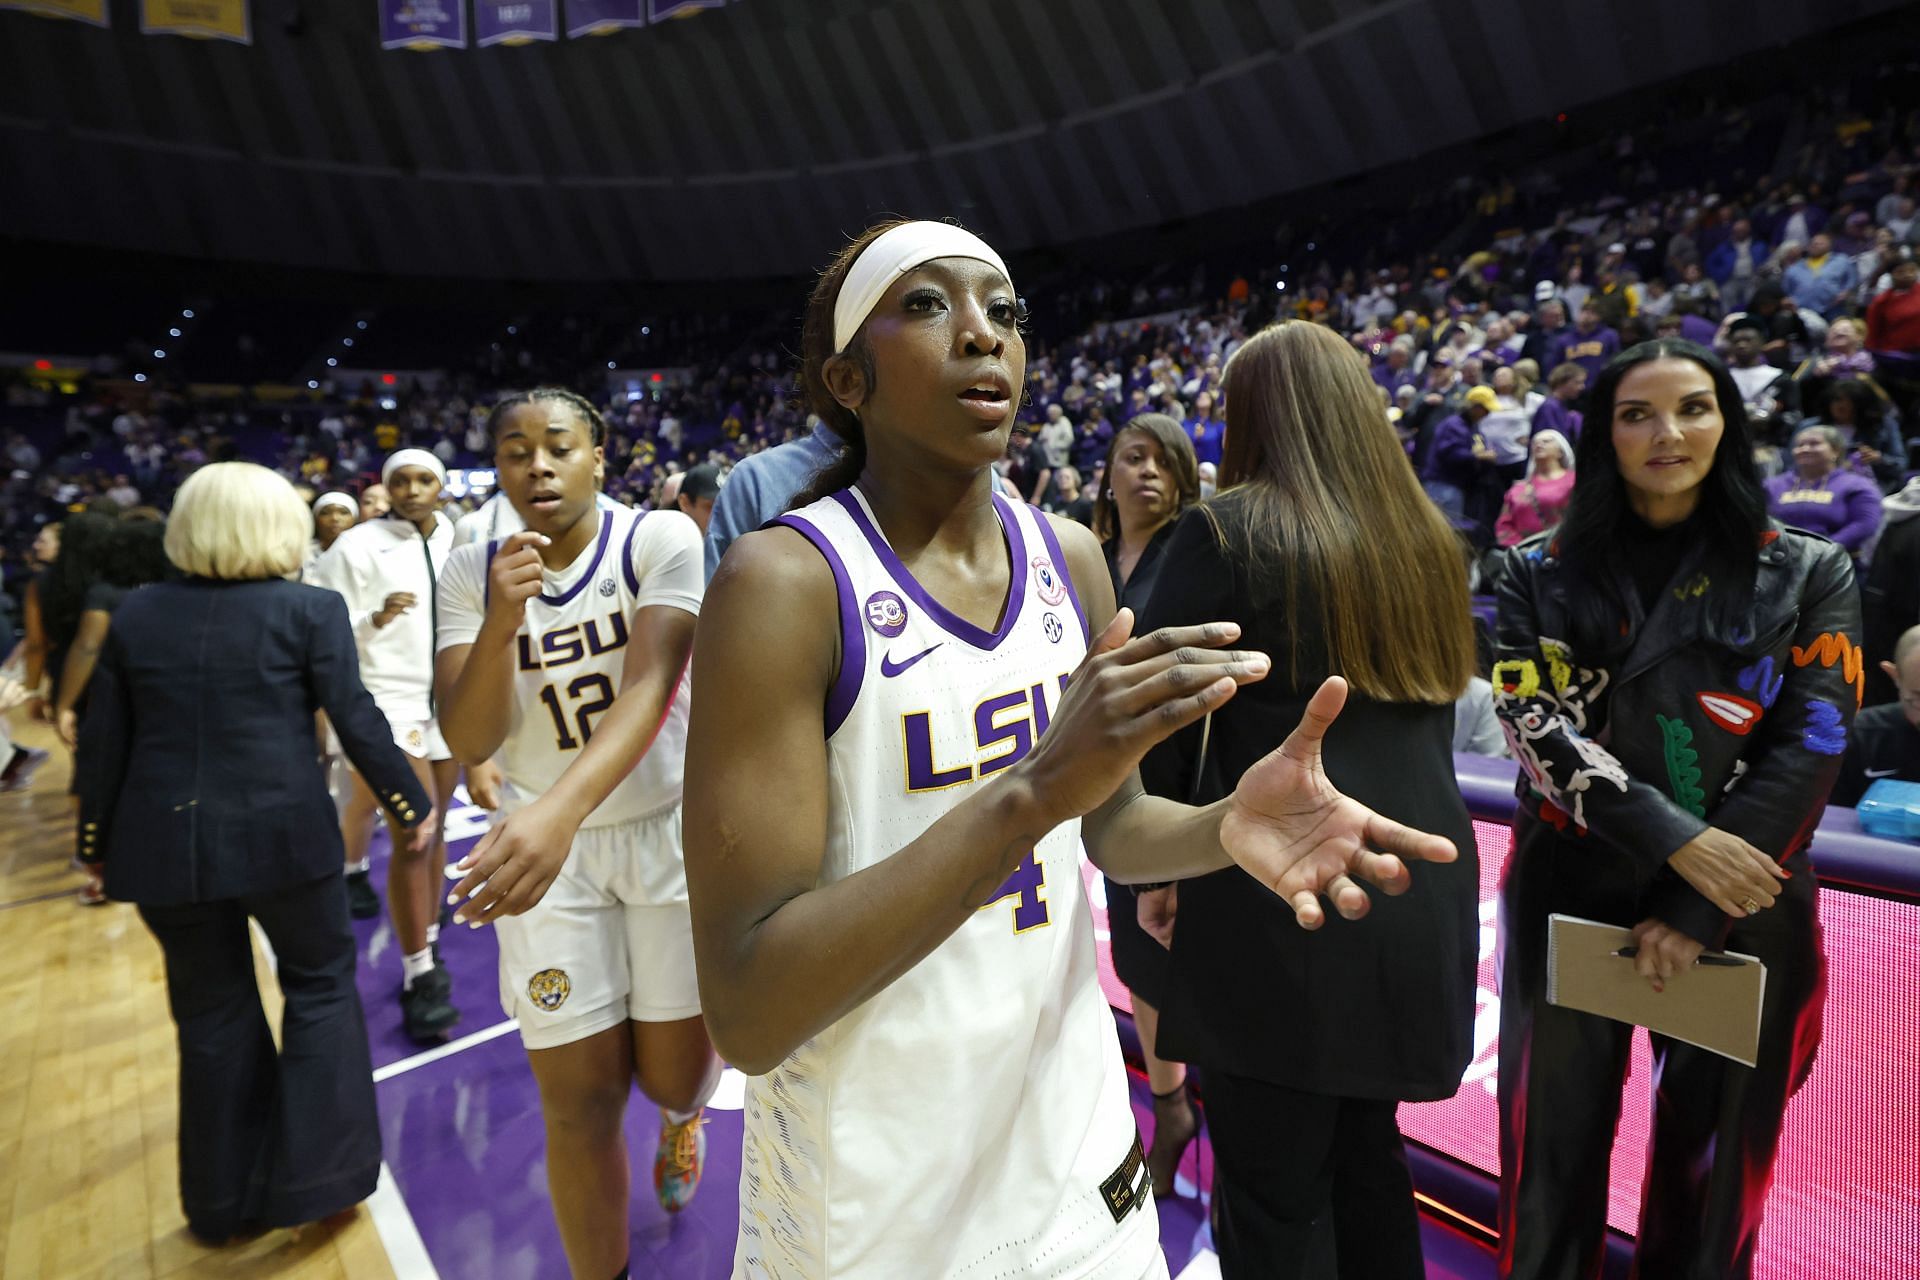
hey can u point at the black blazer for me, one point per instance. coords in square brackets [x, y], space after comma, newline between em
[200, 778]
[1378, 1008]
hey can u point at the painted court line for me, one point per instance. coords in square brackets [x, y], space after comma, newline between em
[406, 1251]
[42, 897]
[447, 1050]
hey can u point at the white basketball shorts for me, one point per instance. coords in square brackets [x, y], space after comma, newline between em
[608, 944]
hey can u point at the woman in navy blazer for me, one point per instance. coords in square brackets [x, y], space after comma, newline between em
[203, 801]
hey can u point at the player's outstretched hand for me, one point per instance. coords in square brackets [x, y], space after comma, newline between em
[514, 576]
[1128, 695]
[1289, 829]
[512, 867]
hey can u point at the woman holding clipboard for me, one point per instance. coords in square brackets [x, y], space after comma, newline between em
[1677, 676]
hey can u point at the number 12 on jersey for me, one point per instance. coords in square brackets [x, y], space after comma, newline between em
[583, 712]
[1025, 886]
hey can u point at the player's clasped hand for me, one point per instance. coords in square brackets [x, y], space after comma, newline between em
[514, 576]
[420, 837]
[396, 603]
[1128, 695]
[1293, 832]
[512, 867]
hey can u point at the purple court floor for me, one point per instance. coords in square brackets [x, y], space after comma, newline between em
[464, 1146]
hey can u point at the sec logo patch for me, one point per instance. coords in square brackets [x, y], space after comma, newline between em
[606, 586]
[549, 988]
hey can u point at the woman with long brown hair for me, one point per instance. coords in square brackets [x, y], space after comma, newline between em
[1322, 547]
[1151, 477]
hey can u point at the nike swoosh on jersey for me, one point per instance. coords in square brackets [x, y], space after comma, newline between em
[890, 668]
[1879, 773]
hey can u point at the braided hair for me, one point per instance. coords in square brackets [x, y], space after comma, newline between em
[581, 406]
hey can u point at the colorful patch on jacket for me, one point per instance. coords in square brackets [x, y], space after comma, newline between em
[1831, 649]
[1683, 765]
[1825, 734]
[1760, 681]
[1730, 711]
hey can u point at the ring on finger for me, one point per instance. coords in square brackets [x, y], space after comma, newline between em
[1752, 907]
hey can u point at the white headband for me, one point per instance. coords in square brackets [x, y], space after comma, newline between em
[414, 458]
[335, 499]
[892, 255]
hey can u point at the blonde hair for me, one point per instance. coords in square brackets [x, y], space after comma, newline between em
[1327, 503]
[237, 520]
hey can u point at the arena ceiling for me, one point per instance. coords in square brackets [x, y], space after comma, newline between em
[744, 142]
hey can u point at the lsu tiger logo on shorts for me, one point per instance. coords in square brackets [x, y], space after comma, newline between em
[549, 988]
[416, 741]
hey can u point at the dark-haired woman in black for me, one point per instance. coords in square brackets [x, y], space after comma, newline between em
[1677, 676]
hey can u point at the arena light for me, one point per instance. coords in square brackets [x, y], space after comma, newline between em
[388, 402]
[387, 379]
[139, 377]
[158, 354]
[312, 385]
[346, 342]
[187, 314]
[609, 364]
[173, 333]
[512, 330]
[645, 329]
[44, 365]
[658, 378]
[361, 324]
[332, 363]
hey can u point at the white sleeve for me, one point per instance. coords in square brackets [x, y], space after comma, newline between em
[667, 560]
[340, 570]
[469, 528]
[462, 596]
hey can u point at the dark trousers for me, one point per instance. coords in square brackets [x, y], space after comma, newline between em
[269, 1139]
[1309, 1185]
[1716, 1123]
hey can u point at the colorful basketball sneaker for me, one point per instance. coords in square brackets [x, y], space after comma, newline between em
[678, 1159]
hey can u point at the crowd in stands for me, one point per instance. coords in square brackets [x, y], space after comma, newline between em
[1804, 280]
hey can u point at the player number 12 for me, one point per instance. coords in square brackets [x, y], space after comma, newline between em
[583, 712]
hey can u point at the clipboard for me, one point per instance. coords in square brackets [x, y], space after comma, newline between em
[1714, 1006]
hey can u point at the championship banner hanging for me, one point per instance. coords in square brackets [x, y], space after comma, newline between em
[423, 25]
[206, 19]
[660, 10]
[603, 17]
[515, 21]
[88, 11]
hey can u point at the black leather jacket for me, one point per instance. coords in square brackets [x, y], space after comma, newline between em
[1743, 731]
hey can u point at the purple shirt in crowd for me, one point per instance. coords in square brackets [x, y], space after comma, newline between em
[1554, 415]
[1840, 505]
[1591, 351]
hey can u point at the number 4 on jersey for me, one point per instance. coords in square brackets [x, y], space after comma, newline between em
[1025, 885]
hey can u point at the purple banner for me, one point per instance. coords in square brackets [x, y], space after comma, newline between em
[423, 24]
[599, 17]
[515, 21]
[660, 10]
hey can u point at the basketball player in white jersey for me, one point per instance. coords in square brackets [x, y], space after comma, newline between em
[388, 568]
[563, 654]
[886, 781]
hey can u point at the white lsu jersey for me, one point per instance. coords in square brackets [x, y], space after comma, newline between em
[572, 647]
[972, 1120]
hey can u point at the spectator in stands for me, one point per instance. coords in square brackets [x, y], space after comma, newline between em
[1893, 318]
[1872, 444]
[204, 830]
[1537, 502]
[1766, 392]
[698, 491]
[1460, 466]
[1735, 265]
[1056, 437]
[1589, 344]
[1565, 385]
[1330, 560]
[1890, 598]
[1068, 498]
[1654, 830]
[1820, 496]
[1696, 286]
[1205, 430]
[1823, 280]
[1886, 737]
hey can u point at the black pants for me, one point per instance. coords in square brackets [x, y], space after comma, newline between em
[1716, 1123]
[1310, 1185]
[269, 1139]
